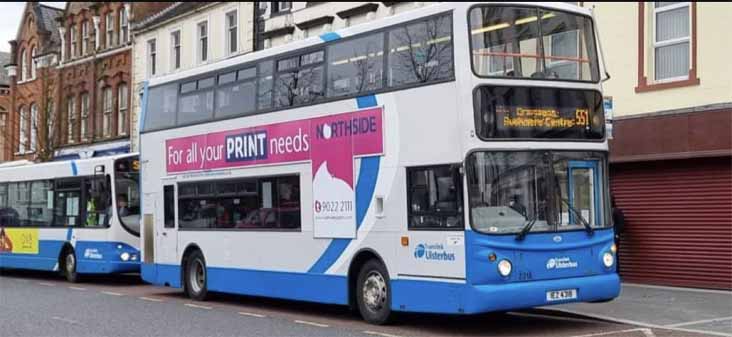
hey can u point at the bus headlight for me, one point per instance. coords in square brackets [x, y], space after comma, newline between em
[124, 256]
[504, 268]
[608, 259]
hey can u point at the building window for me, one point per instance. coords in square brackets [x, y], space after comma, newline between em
[107, 111]
[671, 42]
[203, 41]
[33, 128]
[23, 131]
[175, 50]
[84, 116]
[110, 29]
[74, 42]
[232, 36]
[281, 6]
[84, 37]
[250, 203]
[151, 58]
[23, 66]
[122, 109]
[169, 206]
[123, 26]
[434, 197]
[71, 113]
[33, 63]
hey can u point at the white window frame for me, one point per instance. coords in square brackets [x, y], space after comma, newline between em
[73, 38]
[23, 130]
[199, 38]
[281, 8]
[151, 57]
[173, 46]
[23, 65]
[84, 37]
[32, 62]
[33, 128]
[107, 102]
[84, 105]
[109, 22]
[123, 32]
[122, 109]
[71, 114]
[671, 42]
[228, 28]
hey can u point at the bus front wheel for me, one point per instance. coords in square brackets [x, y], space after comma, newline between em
[374, 293]
[195, 277]
[68, 264]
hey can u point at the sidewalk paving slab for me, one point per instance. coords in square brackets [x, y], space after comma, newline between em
[678, 308]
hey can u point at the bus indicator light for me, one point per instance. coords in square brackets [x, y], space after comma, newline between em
[405, 241]
[492, 257]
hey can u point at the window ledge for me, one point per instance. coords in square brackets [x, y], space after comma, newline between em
[644, 87]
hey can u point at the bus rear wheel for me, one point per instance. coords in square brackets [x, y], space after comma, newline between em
[68, 266]
[374, 293]
[195, 277]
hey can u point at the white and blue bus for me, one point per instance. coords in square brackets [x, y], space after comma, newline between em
[452, 159]
[76, 217]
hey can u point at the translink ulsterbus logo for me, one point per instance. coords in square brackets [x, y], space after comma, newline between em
[561, 263]
[434, 252]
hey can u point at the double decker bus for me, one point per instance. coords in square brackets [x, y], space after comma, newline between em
[451, 159]
[76, 217]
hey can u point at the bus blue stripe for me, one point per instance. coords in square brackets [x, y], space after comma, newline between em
[74, 169]
[365, 186]
[367, 101]
[331, 36]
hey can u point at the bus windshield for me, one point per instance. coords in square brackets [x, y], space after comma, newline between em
[556, 190]
[127, 194]
[530, 42]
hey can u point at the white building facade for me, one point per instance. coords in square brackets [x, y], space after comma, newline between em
[184, 36]
[282, 22]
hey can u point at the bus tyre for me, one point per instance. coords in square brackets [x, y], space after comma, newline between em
[68, 264]
[374, 293]
[195, 277]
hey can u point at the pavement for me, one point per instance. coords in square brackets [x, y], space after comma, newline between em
[680, 309]
[43, 304]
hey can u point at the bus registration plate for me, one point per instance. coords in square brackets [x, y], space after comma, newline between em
[559, 295]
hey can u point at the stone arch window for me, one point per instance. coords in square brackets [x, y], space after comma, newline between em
[23, 65]
[23, 130]
[33, 127]
[33, 63]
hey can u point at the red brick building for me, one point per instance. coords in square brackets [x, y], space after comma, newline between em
[72, 71]
[5, 153]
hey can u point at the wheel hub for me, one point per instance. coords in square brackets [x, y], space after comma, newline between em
[197, 276]
[374, 291]
[70, 263]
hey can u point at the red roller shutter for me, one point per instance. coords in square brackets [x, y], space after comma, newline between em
[678, 222]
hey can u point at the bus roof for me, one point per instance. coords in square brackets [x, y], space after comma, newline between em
[347, 32]
[9, 166]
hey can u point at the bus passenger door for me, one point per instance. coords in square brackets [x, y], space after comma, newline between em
[166, 232]
[584, 191]
[433, 240]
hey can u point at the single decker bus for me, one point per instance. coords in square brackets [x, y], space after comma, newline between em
[76, 217]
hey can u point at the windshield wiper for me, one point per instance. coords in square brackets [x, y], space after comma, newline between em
[582, 219]
[526, 229]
